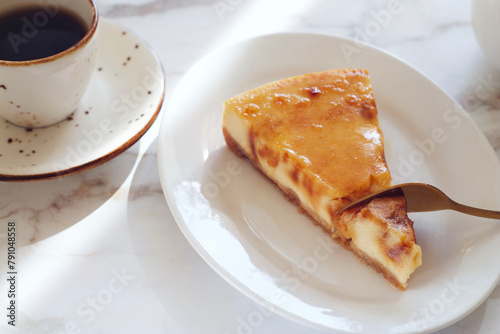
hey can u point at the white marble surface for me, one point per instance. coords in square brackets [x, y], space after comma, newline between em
[99, 252]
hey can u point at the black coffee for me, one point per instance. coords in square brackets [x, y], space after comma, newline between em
[34, 33]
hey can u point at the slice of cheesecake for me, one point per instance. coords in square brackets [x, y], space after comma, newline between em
[317, 137]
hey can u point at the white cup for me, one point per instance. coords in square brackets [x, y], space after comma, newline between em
[485, 17]
[42, 92]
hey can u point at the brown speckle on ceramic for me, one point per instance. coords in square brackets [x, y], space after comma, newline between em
[137, 46]
[126, 61]
[100, 69]
[3, 87]
[9, 140]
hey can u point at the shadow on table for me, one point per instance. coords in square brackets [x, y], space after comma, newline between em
[42, 209]
[192, 297]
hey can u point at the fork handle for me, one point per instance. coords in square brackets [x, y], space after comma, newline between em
[475, 211]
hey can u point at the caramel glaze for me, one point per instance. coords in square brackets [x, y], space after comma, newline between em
[298, 115]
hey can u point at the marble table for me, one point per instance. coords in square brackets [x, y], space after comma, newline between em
[99, 251]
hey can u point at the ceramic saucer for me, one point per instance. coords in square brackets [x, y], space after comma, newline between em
[122, 102]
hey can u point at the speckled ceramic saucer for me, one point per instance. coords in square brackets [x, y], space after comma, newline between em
[122, 102]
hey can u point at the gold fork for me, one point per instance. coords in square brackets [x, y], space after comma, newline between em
[422, 197]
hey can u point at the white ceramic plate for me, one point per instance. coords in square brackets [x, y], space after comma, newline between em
[248, 233]
[123, 100]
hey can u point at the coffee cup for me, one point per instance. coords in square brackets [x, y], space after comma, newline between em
[485, 21]
[48, 52]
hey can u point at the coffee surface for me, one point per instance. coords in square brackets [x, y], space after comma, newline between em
[34, 33]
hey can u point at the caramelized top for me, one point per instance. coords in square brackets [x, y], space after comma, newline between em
[325, 121]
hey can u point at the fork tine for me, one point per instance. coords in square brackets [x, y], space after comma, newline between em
[422, 197]
[391, 191]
